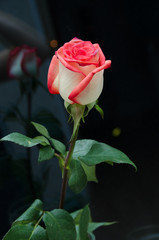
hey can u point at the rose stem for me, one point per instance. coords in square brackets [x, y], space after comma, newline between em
[28, 163]
[65, 174]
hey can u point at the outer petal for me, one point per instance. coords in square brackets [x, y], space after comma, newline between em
[68, 81]
[53, 76]
[89, 89]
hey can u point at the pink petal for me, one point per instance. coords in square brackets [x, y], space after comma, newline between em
[53, 76]
[70, 66]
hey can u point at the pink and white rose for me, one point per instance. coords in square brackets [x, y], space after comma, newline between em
[76, 72]
[23, 60]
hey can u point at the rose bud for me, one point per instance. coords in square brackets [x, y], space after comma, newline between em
[76, 72]
[23, 60]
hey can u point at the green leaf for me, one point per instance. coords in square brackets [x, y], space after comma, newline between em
[39, 234]
[43, 140]
[45, 153]
[59, 146]
[92, 236]
[76, 215]
[41, 129]
[32, 214]
[59, 225]
[92, 152]
[83, 226]
[25, 232]
[21, 139]
[94, 225]
[78, 179]
[90, 172]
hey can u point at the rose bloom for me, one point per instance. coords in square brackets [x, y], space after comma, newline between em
[23, 61]
[76, 72]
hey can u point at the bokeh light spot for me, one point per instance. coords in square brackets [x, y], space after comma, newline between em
[116, 132]
[53, 43]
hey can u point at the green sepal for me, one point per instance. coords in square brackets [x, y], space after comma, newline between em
[45, 153]
[100, 110]
[59, 225]
[89, 107]
[77, 112]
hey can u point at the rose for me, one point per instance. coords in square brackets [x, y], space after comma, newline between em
[76, 72]
[23, 60]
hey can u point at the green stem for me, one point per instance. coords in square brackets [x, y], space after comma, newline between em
[65, 173]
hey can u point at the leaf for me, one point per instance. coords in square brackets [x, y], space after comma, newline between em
[59, 146]
[43, 140]
[59, 225]
[76, 215]
[39, 234]
[92, 236]
[41, 129]
[83, 226]
[78, 179]
[25, 232]
[21, 139]
[45, 153]
[90, 172]
[94, 225]
[32, 214]
[92, 152]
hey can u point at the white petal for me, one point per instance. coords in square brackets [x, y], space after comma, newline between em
[68, 81]
[15, 68]
[92, 92]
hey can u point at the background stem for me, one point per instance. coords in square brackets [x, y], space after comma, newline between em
[28, 161]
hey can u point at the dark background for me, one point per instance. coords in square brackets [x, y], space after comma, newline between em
[128, 34]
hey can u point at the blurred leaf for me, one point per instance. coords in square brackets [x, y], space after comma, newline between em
[90, 172]
[77, 179]
[92, 152]
[83, 226]
[41, 129]
[26, 232]
[21, 139]
[45, 153]
[59, 225]
[32, 214]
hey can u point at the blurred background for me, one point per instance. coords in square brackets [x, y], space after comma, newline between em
[128, 34]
